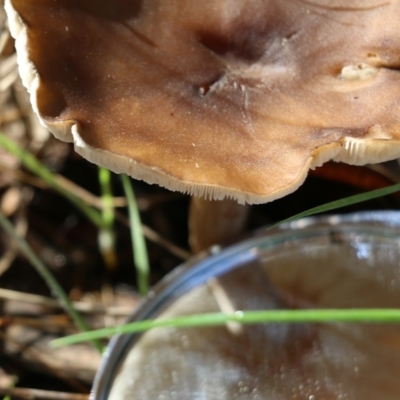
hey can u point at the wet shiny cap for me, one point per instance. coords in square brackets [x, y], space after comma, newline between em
[224, 98]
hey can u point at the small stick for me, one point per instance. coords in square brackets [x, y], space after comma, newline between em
[49, 322]
[81, 306]
[96, 202]
[37, 356]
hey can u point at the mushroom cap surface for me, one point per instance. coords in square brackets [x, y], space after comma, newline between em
[219, 98]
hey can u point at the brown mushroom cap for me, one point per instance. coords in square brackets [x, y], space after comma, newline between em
[220, 98]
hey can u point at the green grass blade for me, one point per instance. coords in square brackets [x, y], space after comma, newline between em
[47, 276]
[243, 317]
[141, 259]
[347, 201]
[35, 166]
[106, 233]
[270, 316]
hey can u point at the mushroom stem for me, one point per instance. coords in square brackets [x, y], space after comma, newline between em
[215, 221]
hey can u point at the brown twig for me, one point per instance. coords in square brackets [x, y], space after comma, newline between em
[157, 238]
[48, 322]
[65, 183]
[24, 177]
[38, 357]
[80, 306]
[95, 201]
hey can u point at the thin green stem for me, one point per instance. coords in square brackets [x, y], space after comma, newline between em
[243, 317]
[106, 197]
[106, 233]
[35, 166]
[46, 275]
[347, 201]
[141, 259]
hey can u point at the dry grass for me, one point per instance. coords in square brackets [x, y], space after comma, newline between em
[67, 243]
[29, 318]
